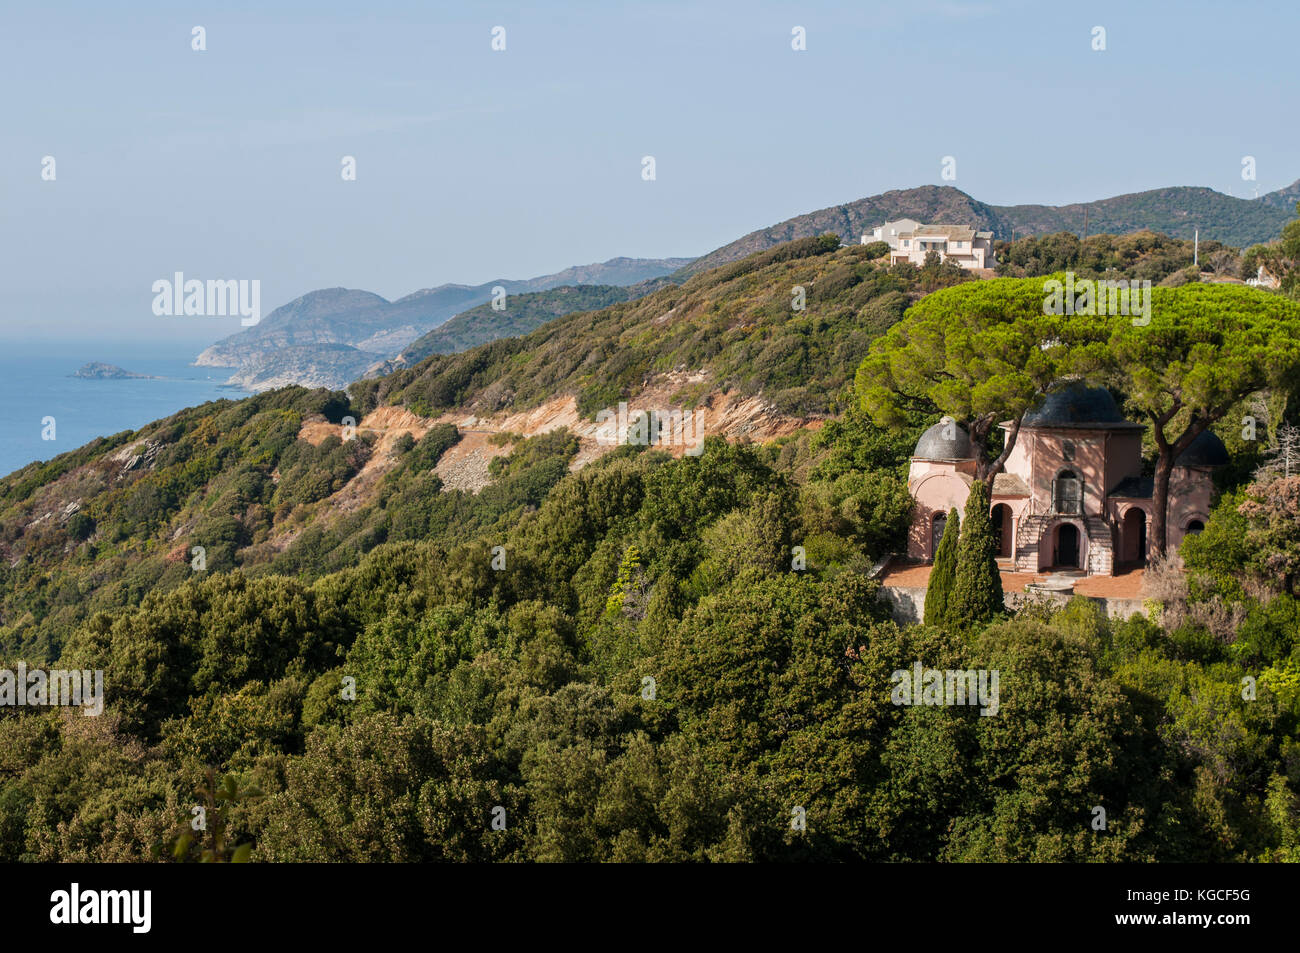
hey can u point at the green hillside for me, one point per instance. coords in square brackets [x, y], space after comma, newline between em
[116, 518]
[735, 324]
[645, 659]
[522, 313]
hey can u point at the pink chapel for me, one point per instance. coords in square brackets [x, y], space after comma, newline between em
[1072, 495]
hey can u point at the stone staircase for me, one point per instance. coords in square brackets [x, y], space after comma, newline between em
[1101, 546]
[1029, 535]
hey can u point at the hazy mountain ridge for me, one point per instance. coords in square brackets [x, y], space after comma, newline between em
[288, 345]
[1176, 211]
[1285, 199]
[1166, 211]
[330, 337]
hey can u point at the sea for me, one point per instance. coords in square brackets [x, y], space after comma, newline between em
[36, 382]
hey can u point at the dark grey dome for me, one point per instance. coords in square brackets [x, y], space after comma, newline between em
[1207, 450]
[1077, 405]
[936, 444]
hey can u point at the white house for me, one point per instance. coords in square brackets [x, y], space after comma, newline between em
[959, 243]
[1264, 279]
[890, 231]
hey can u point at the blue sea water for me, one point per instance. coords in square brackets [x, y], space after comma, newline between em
[35, 382]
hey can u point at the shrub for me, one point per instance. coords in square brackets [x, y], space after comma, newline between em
[977, 589]
[942, 576]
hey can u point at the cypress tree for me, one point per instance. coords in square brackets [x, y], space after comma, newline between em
[939, 591]
[977, 588]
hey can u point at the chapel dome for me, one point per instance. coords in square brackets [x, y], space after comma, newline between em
[1207, 450]
[1077, 405]
[944, 441]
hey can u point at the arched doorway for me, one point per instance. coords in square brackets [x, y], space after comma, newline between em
[1001, 518]
[1067, 546]
[1194, 527]
[1135, 535]
[937, 524]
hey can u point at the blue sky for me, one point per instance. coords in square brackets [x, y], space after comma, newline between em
[474, 164]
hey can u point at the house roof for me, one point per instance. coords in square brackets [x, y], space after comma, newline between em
[960, 233]
[1008, 484]
[1134, 488]
[898, 221]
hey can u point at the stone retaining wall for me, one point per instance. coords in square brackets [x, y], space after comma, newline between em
[907, 603]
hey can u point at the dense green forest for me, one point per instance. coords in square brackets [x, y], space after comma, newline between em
[1144, 256]
[648, 658]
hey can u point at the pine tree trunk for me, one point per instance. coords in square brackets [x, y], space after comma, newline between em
[1157, 541]
[1165, 459]
[985, 472]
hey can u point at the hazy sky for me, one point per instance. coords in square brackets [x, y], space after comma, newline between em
[474, 164]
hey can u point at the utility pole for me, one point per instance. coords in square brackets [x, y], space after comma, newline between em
[1196, 247]
[1085, 223]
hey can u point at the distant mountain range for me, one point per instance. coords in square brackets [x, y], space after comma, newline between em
[331, 337]
[327, 338]
[523, 313]
[1176, 212]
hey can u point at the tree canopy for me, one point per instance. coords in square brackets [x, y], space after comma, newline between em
[982, 353]
[1207, 346]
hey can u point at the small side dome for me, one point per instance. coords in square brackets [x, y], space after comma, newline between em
[944, 441]
[1207, 450]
